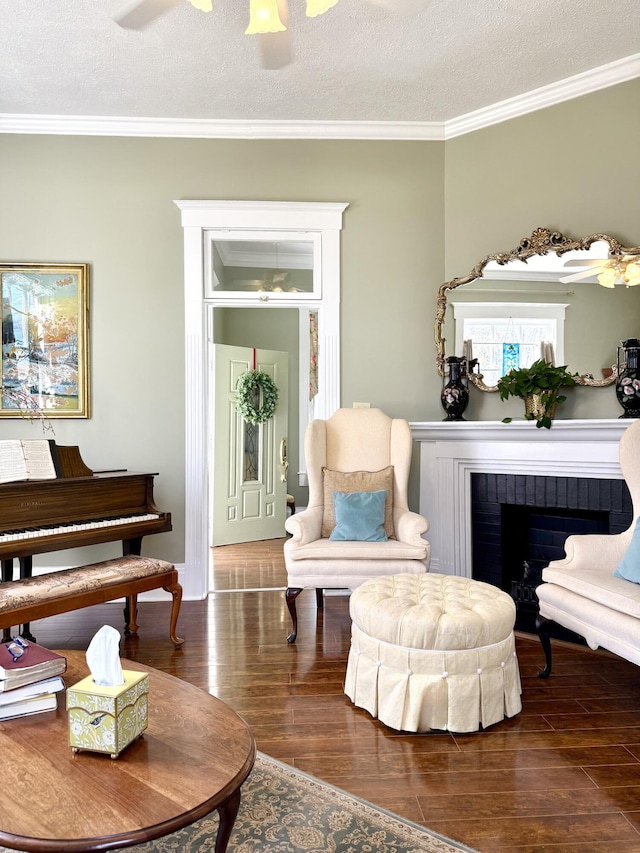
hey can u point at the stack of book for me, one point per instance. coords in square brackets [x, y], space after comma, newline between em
[29, 678]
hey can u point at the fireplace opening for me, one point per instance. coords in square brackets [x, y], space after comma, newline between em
[520, 524]
[536, 536]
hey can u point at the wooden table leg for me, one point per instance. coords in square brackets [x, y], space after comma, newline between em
[228, 812]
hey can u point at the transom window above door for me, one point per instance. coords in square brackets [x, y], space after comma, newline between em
[269, 266]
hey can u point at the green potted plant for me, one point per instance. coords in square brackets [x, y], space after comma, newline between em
[539, 386]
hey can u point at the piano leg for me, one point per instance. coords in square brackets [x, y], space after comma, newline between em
[7, 570]
[131, 547]
[26, 569]
[7, 575]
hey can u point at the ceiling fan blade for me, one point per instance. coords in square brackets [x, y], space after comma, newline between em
[143, 13]
[578, 276]
[591, 262]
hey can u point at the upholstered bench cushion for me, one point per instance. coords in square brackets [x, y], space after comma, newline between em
[72, 582]
[433, 651]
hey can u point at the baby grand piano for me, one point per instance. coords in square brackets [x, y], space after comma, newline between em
[79, 507]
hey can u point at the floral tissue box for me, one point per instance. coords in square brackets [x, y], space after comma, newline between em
[107, 719]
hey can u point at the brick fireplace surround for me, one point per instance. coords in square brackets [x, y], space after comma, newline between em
[541, 467]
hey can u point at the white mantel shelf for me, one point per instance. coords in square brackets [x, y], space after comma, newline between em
[605, 429]
[451, 451]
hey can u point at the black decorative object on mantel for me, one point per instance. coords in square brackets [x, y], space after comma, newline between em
[628, 381]
[455, 386]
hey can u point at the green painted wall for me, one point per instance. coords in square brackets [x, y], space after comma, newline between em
[573, 168]
[109, 201]
[419, 213]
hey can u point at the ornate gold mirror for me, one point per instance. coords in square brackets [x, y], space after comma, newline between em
[551, 294]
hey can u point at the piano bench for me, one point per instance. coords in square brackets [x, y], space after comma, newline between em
[25, 600]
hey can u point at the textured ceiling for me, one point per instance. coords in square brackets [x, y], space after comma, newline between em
[362, 61]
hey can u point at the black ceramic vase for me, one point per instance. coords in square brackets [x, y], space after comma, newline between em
[628, 381]
[455, 393]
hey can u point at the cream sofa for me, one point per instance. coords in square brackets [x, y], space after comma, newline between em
[581, 593]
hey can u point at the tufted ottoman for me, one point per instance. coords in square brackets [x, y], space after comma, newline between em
[433, 652]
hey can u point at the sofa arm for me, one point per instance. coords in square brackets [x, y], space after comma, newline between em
[409, 526]
[305, 526]
[593, 551]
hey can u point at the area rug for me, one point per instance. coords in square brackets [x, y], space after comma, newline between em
[284, 810]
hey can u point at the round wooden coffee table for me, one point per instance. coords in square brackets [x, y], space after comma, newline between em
[192, 760]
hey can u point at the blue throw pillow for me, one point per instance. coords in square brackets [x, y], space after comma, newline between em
[359, 516]
[629, 566]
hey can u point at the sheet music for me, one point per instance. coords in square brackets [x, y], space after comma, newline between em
[26, 460]
[12, 463]
[37, 455]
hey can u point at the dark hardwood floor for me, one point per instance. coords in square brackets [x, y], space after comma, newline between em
[561, 777]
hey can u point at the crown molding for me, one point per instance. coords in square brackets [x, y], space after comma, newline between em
[620, 71]
[218, 129]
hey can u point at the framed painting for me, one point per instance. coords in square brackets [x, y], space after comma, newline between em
[45, 330]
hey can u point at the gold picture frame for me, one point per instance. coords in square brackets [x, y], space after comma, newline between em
[45, 340]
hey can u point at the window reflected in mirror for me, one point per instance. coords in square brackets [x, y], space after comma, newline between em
[506, 336]
[552, 297]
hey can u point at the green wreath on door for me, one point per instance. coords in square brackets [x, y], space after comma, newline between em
[246, 396]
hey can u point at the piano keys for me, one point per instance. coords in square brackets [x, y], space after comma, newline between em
[73, 527]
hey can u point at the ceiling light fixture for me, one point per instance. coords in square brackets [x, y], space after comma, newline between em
[264, 15]
[626, 273]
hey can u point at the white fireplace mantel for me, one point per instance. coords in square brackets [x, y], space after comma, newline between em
[451, 451]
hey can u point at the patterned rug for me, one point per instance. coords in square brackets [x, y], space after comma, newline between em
[286, 811]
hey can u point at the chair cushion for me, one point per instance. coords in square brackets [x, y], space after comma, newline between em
[326, 551]
[359, 516]
[629, 566]
[618, 594]
[357, 481]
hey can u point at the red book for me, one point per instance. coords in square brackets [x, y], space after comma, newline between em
[35, 663]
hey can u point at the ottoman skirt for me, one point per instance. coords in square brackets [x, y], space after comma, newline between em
[415, 690]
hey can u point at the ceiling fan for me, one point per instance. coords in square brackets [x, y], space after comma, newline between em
[608, 272]
[268, 19]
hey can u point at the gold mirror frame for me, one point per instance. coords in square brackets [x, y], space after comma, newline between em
[543, 241]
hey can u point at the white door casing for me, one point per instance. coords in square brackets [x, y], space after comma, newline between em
[197, 216]
[249, 474]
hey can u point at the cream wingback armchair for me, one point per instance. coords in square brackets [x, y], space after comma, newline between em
[353, 453]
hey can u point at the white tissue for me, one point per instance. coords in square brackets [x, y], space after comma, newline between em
[103, 657]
